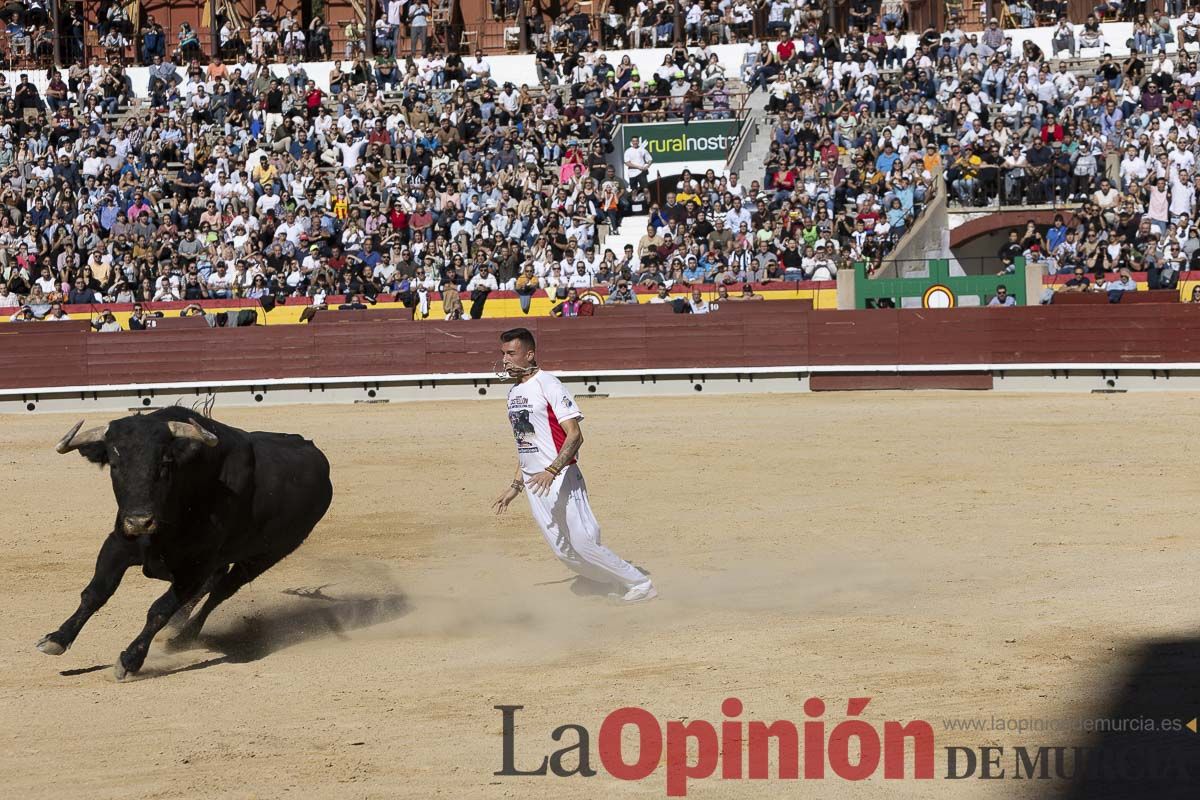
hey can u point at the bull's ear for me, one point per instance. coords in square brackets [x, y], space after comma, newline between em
[237, 471]
[95, 452]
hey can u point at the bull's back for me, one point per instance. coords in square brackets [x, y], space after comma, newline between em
[292, 484]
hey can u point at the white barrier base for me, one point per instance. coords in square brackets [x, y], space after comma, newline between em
[388, 391]
[659, 383]
[1162, 379]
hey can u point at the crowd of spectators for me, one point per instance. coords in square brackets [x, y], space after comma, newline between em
[855, 152]
[1033, 128]
[878, 126]
[1111, 140]
[242, 178]
[235, 176]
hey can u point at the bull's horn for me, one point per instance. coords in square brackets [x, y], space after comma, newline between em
[74, 440]
[190, 430]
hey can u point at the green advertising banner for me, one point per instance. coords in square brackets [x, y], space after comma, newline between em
[700, 140]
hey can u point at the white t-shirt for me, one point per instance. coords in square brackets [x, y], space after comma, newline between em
[637, 160]
[219, 282]
[536, 409]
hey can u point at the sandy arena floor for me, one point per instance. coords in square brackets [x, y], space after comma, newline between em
[946, 554]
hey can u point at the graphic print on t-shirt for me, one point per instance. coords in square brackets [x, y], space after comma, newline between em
[536, 410]
[522, 426]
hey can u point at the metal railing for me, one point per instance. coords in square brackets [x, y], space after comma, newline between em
[978, 265]
[63, 49]
[747, 134]
[739, 106]
[38, 52]
[1022, 186]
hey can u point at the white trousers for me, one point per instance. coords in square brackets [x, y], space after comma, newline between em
[571, 530]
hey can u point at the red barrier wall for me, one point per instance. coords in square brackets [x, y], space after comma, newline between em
[778, 333]
[1100, 298]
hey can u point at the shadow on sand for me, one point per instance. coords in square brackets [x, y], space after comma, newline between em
[315, 615]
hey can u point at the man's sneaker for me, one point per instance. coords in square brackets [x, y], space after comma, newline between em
[640, 593]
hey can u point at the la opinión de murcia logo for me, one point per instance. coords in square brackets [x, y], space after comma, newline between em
[740, 749]
[633, 744]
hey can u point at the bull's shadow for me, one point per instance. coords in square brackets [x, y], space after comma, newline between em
[312, 615]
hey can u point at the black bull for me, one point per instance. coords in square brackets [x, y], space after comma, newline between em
[200, 504]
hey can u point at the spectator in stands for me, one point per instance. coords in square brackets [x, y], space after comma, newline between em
[57, 313]
[527, 285]
[480, 286]
[418, 14]
[154, 42]
[141, 319]
[83, 294]
[1024, 12]
[1002, 297]
[1116, 288]
[7, 298]
[622, 295]
[1063, 38]
[1163, 268]
[451, 301]
[1078, 282]
[107, 322]
[356, 302]
[570, 306]
[663, 296]
[748, 294]
[637, 162]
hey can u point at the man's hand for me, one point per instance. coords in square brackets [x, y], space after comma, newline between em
[501, 504]
[540, 484]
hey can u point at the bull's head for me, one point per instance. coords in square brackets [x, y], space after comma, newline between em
[142, 454]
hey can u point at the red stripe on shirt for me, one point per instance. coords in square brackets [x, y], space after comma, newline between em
[556, 430]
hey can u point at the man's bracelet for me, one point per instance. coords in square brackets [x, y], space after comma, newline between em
[553, 471]
[520, 487]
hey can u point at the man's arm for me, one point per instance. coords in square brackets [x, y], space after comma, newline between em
[570, 446]
[510, 494]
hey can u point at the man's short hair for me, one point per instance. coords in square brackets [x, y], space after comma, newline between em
[521, 335]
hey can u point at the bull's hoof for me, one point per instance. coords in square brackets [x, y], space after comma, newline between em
[122, 672]
[50, 647]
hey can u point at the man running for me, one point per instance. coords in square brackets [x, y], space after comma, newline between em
[545, 422]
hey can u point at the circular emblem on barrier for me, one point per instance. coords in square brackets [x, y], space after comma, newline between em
[591, 297]
[938, 296]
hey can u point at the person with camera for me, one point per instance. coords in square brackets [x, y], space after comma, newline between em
[141, 320]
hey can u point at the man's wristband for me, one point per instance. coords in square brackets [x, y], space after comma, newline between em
[520, 487]
[552, 470]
